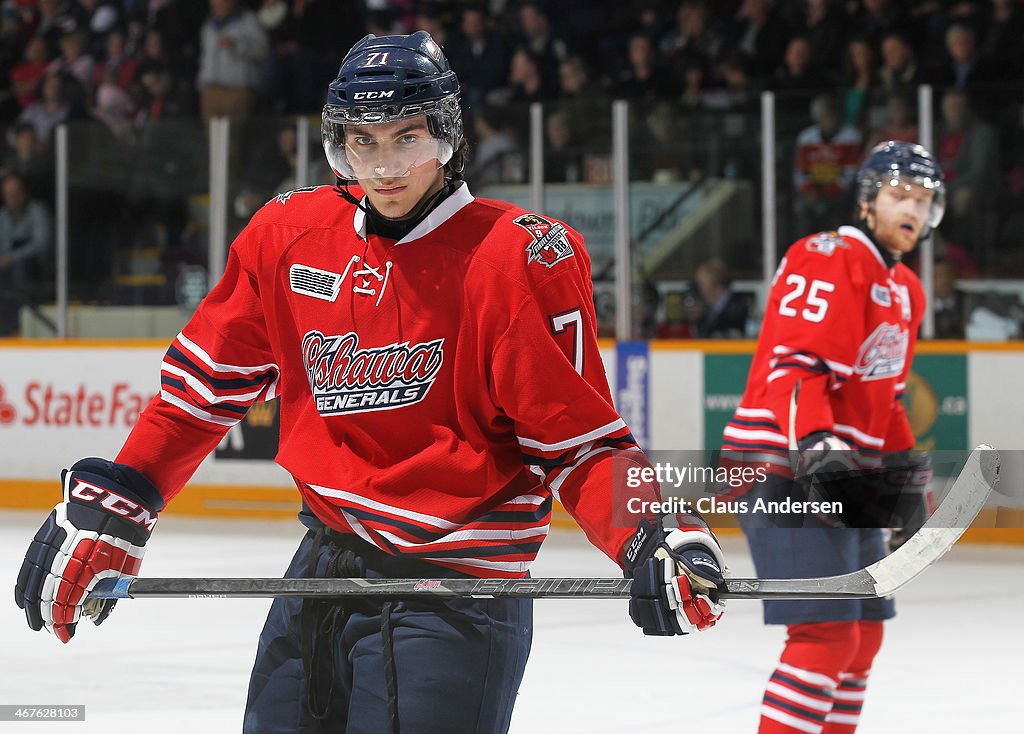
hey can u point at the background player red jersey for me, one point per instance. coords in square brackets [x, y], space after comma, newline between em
[841, 320]
[822, 408]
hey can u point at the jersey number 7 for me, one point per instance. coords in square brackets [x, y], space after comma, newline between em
[562, 322]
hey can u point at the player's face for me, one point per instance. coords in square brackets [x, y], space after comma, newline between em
[898, 216]
[396, 163]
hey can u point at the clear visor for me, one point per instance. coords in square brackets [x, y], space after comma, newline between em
[938, 205]
[381, 146]
[936, 209]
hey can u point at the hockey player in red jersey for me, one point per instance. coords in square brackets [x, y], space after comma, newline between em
[824, 392]
[436, 359]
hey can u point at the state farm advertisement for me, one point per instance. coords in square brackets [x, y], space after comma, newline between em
[60, 404]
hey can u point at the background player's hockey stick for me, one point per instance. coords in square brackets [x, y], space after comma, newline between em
[959, 508]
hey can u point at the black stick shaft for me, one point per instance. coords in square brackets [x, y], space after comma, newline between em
[537, 588]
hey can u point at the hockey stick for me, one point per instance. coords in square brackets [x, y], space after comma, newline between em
[961, 505]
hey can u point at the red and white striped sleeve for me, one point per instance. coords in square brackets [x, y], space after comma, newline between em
[549, 379]
[219, 365]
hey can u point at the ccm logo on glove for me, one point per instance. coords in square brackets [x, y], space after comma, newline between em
[114, 503]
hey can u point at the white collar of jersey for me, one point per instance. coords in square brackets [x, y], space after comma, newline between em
[848, 231]
[441, 214]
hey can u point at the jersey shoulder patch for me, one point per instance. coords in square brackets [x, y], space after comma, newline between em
[549, 241]
[825, 243]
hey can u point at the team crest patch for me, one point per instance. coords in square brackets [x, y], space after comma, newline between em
[825, 243]
[345, 378]
[550, 243]
[883, 354]
[880, 294]
[313, 282]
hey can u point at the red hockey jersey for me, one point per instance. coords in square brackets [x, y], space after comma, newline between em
[841, 320]
[435, 391]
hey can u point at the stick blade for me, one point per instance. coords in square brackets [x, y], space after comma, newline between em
[961, 505]
[956, 513]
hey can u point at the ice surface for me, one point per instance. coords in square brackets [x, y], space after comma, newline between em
[951, 660]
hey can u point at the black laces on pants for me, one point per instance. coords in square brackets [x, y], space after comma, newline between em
[322, 620]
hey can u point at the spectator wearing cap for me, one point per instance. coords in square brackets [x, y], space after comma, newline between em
[233, 46]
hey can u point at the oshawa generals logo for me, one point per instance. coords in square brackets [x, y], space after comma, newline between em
[883, 354]
[550, 243]
[347, 379]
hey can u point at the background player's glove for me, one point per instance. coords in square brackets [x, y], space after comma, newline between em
[825, 468]
[675, 577]
[905, 494]
[99, 531]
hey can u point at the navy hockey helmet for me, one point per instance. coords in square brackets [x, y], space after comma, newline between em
[385, 79]
[896, 163]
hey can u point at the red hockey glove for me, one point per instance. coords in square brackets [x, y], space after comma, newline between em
[99, 531]
[675, 577]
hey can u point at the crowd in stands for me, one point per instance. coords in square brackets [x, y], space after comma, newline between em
[845, 73]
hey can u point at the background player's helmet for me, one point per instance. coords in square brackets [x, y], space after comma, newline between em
[894, 162]
[389, 78]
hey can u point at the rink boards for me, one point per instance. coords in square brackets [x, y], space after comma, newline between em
[60, 401]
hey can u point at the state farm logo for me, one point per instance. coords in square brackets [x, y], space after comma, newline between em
[50, 404]
[8, 413]
[347, 379]
[883, 354]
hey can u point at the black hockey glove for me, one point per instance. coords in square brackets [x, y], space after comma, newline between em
[99, 531]
[905, 495]
[827, 471]
[675, 577]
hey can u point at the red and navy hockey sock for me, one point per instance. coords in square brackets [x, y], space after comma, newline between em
[849, 696]
[800, 693]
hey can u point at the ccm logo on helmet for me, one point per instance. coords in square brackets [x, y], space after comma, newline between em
[381, 94]
[114, 503]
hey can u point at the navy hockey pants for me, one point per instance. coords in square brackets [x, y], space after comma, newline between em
[803, 547]
[454, 665]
